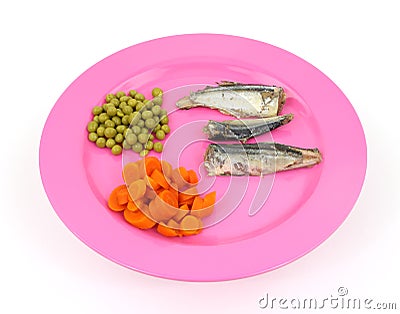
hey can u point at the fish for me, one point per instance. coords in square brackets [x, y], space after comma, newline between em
[243, 130]
[257, 159]
[237, 99]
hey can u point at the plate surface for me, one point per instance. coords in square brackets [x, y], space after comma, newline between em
[304, 207]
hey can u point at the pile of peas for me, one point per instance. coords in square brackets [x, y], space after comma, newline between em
[130, 122]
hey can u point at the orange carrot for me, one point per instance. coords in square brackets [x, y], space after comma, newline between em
[174, 189]
[122, 196]
[152, 183]
[137, 189]
[193, 179]
[152, 163]
[113, 203]
[130, 173]
[197, 203]
[187, 196]
[209, 199]
[138, 219]
[184, 174]
[132, 206]
[166, 231]
[168, 197]
[158, 177]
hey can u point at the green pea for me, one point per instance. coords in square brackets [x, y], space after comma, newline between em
[120, 94]
[97, 110]
[143, 138]
[114, 101]
[93, 136]
[158, 147]
[111, 111]
[101, 142]
[149, 105]
[158, 127]
[127, 109]
[150, 123]
[156, 110]
[120, 113]
[164, 120]
[139, 96]
[103, 117]
[144, 131]
[140, 123]
[156, 119]
[96, 119]
[109, 124]
[121, 128]
[125, 145]
[110, 132]
[110, 143]
[157, 101]
[122, 105]
[132, 92]
[163, 113]
[119, 138]
[100, 130]
[109, 97]
[139, 106]
[124, 99]
[166, 128]
[131, 139]
[147, 114]
[92, 126]
[146, 101]
[116, 120]
[149, 145]
[151, 137]
[125, 120]
[143, 153]
[104, 107]
[137, 147]
[156, 92]
[136, 129]
[136, 116]
[126, 132]
[132, 102]
[116, 150]
[160, 134]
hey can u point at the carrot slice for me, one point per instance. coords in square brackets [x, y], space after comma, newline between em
[137, 189]
[152, 183]
[113, 203]
[122, 196]
[209, 199]
[174, 189]
[159, 178]
[197, 203]
[166, 231]
[138, 219]
[208, 206]
[130, 172]
[168, 197]
[193, 178]
[132, 206]
[187, 196]
[151, 163]
[184, 174]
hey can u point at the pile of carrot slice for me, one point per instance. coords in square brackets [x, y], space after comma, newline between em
[156, 195]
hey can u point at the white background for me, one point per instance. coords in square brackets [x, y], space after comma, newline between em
[46, 45]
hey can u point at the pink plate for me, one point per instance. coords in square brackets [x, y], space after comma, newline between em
[304, 206]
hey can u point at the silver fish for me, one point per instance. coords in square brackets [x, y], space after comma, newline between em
[243, 129]
[257, 159]
[238, 100]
